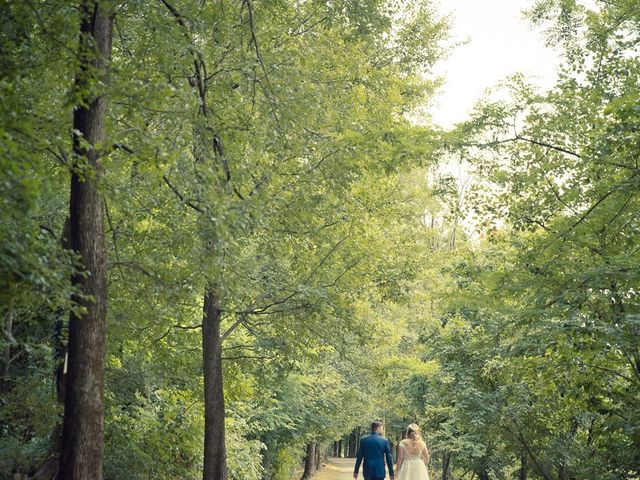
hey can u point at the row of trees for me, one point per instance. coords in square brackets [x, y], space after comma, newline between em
[203, 207]
[255, 257]
[533, 324]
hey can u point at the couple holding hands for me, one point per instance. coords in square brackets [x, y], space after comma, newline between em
[374, 449]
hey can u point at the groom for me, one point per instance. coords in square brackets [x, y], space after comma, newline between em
[374, 448]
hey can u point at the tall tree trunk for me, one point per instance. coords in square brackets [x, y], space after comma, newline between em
[352, 442]
[215, 452]
[340, 448]
[6, 355]
[522, 474]
[318, 460]
[82, 435]
[392, 446]
[309, 461]
[562, 472]
[446, 461]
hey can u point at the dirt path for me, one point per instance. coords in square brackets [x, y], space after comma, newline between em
[337, 469]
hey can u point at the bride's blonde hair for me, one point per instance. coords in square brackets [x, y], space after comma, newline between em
[414, 433]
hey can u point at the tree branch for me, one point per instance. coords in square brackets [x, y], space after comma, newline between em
[188, 327]
[326, 257]
[244, 357]
[547, 145]
[557, 195]
[136, 266]
[526, 446]
[241, 318]
[113, 238]
[524, 139]
[189, 203]
[254, 41]
[604, 369]
[588, 212]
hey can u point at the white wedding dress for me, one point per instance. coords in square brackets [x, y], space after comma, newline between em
[414, 455]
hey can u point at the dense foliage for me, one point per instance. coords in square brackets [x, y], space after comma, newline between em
[256, 151]
[534, 323]
[267, 154]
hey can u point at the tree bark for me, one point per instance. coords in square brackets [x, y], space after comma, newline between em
[446, 461]
[215, 452]
[6, 355]
[318, 460]
[309, 461]
[541, 470]
[352, 449]
[354, 440]
[392, 447]
[215, 456]
[522, 474]
[562, 472]
[82, 437]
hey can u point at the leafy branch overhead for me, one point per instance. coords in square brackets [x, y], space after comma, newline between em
[231, 238]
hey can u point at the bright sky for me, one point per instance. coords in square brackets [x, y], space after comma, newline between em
[501, 43]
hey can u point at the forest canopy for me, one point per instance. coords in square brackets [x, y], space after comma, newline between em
[230, 239]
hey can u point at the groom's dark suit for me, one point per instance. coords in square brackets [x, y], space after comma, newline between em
[374, 448]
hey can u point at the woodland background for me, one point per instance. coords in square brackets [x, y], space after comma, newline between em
[252, 189]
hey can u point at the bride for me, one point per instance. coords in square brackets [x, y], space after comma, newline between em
[413, 456]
